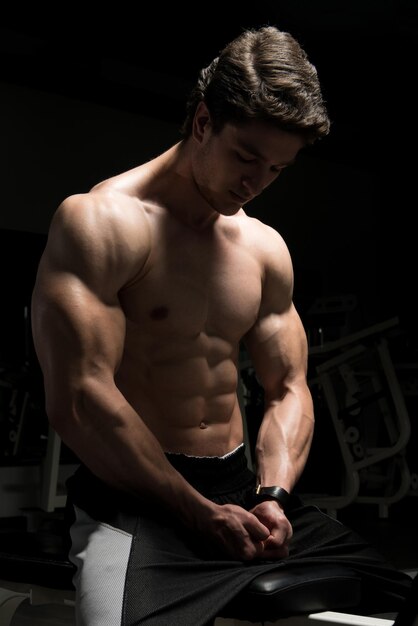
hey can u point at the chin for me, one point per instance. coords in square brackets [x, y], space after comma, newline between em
[230, 210]
[224, 204]
[227, 206]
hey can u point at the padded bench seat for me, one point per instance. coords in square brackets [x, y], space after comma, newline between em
[297, 591]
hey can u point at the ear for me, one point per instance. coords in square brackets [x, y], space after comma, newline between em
[201, 121]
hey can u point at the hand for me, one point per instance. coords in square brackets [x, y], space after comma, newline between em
[238, 533]
[272, 516]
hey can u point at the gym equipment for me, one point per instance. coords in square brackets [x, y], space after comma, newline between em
[365, 402]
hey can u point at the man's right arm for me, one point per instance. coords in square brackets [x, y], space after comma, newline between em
[79, 330]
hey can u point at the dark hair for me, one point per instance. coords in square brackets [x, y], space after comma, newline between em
[263, 74]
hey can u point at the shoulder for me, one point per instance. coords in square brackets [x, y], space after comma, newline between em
[102, 227]
[109, 211]
[269, 247]
[103, 214]
[276, 269]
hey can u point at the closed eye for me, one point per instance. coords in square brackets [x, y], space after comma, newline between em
[275, 168]
[244, 159]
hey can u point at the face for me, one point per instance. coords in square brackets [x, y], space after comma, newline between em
[234, 166]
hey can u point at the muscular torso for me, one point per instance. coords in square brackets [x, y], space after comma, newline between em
[197, 295]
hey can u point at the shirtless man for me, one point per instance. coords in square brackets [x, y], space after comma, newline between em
[146, 288]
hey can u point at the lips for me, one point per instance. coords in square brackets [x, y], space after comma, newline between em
[240, 198]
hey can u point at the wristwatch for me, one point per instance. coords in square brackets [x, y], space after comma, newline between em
[272, 493]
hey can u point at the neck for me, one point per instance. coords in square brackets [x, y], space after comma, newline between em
[173, 186]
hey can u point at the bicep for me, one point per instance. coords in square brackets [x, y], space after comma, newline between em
[77, 333]
[278, 349]
[277, 341]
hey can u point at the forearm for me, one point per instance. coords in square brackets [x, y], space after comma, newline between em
[111, 439]
[284, 439]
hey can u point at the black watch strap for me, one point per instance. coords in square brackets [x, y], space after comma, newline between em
[272, 493]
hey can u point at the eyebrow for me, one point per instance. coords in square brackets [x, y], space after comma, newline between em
[253, 150]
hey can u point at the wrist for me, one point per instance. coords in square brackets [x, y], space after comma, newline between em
[274, 492]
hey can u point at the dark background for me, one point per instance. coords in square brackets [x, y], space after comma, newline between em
[144, 61]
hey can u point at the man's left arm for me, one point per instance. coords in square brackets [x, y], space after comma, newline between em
[278, 349]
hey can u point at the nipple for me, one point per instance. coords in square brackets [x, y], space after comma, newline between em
[203, 425]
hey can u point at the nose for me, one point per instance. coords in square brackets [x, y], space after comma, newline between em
[253, 185]
[256, 182]
[249, 185]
